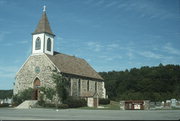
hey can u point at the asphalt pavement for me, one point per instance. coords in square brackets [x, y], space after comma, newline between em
[81, 114]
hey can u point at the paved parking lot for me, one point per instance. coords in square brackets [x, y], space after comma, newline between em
[78, 114]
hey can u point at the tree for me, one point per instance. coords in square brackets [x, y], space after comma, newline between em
[151, 83]
[61, 87]
[4, 94]
[48, 92]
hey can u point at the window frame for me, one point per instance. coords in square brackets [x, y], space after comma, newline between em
[49, 44]
[38, 43]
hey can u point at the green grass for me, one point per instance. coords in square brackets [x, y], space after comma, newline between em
[112, 106]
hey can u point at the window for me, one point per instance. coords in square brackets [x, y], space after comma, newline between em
[38, 44]
[95, 86]
[79, 87]
[88, 85]
[49, 44]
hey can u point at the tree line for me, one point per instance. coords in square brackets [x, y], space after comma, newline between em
[5, 94]
[146, 83]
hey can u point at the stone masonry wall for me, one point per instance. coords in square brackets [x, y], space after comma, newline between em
[84, 92]
[29, 72]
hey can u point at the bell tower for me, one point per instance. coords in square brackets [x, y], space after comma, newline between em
[43, 37]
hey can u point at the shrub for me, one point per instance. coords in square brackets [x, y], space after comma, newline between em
[41, 102]
[22, 96]
[75, 102]
[49, 105]
[63, 106]
[104, 101]
[4, 105]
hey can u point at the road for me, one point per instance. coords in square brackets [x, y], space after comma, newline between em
[81, 114]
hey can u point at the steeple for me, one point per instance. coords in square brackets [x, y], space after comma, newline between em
[43, 38]
[43, 25]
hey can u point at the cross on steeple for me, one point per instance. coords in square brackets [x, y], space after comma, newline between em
[44, 8]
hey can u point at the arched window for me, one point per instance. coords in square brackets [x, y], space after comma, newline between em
[49, 44]
[38, 44]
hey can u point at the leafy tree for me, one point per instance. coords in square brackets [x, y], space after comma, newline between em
[151, 83]
[62, 85]
[4, 94]
[49, 92]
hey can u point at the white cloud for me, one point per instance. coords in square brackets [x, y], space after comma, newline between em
[143, 8]
[149, 54]
[111, 4]
[7, 44]
[123, 5]
[111, 46]
[110, 58]
[168, 48]
[24, 41]
[100, 2]
[59, 38]
[88, 1]
[130, 55]
[95, 46]
[8, 71]
[8, 68]
[7, 75]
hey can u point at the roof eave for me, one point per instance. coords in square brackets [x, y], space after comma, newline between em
[43, 32]
[94, 78]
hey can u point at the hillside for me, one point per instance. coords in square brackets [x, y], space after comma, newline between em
[151, 83]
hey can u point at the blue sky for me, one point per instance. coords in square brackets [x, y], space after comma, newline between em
[109, 34]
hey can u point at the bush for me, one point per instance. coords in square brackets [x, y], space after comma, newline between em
[22, 96]
[75, 102]
[16, 100]
[4, 105]
[48, 105]
[41, 102]
[63, 106]
[104, 101]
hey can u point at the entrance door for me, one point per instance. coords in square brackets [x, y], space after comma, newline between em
[36, 89]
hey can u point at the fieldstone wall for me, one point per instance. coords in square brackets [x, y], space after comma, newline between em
[37, 66]
[83, 89]
[100, 89]
[83, 86]
[74, 87]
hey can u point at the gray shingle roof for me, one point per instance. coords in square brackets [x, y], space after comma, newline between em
[43, 25]
[73, 65]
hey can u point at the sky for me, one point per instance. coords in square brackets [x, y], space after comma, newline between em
[108, 34]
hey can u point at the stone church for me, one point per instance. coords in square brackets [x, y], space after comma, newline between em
[37, 70]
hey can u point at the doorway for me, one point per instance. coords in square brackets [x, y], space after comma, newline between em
[36, 91]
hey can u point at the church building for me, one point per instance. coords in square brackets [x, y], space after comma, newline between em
[37, 70]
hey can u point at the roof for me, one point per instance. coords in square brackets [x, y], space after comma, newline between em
[73, 65]
[43, 25]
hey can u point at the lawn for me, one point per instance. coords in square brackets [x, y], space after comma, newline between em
[112, 106]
